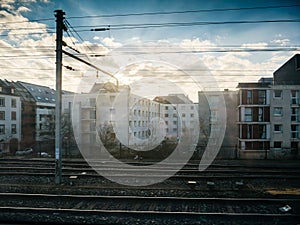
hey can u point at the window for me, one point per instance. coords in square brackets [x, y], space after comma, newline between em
[92, 102]
[12, 90]
[175, 122]
[166, 107]
[92, 126]
[174, 129]
[1, 89]
[262, 97]
[248, 114]
[277, 144]
[249, 96]
[2, 102]
[278, 94]
[295, 97]
[2, 129]
[192, 115]
[260, 114]
[295, 114]
[192, 107]
[277, 128]
[262, 131]
[183, 114]
[249, 132]
[166, 115]
[278, 111]
[14, 103]
[175, 115]
[2, 115]
[93, 114]
[13, 128]
[295, 131]
[13, 115]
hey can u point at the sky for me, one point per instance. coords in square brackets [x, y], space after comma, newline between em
[156, 47]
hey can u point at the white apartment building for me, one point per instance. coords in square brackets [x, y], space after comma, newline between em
[284, 120]
[135, 122]
[10, 119]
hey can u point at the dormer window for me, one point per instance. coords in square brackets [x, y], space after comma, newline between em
[1, 89]
[12, 90]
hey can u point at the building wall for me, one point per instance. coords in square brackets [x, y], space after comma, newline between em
[10, 122]
[128, 119]
[209, 114]
[289, 72]
[254, 122]
[284, 125]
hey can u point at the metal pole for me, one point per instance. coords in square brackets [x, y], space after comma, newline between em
[58, 139]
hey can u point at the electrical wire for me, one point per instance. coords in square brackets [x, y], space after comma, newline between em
[80, 38]
[184, 24]
[183, 12]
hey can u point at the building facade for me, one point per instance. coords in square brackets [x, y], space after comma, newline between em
[253, 120]
[44, 115]
[120, 118]
[10, 118]
[209, 115]
[269, 115]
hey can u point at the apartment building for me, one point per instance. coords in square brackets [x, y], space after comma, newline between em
[119, 117]
[210, 117]
[254, 120]
[10, 118]
[180, 115]
[269, 114]
[44, 113]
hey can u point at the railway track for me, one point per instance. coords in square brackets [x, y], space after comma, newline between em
[165, 208]
[190, 171]
[227, 194]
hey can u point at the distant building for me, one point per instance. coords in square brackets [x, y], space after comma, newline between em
[284, 121]
[209, 114]
[119, 117]
[269, 115]
[44, 113]
[28, 112]
[254, 120]
[179, 113]
[10, 118]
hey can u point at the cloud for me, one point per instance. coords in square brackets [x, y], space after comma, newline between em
[281, 42]
[23, 9]
[110, 42]
[258, 45]
[197, 44]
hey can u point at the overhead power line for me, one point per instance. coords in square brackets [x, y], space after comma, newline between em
[245, 49]
[159, 13]
[184, 12]
[181, 24]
